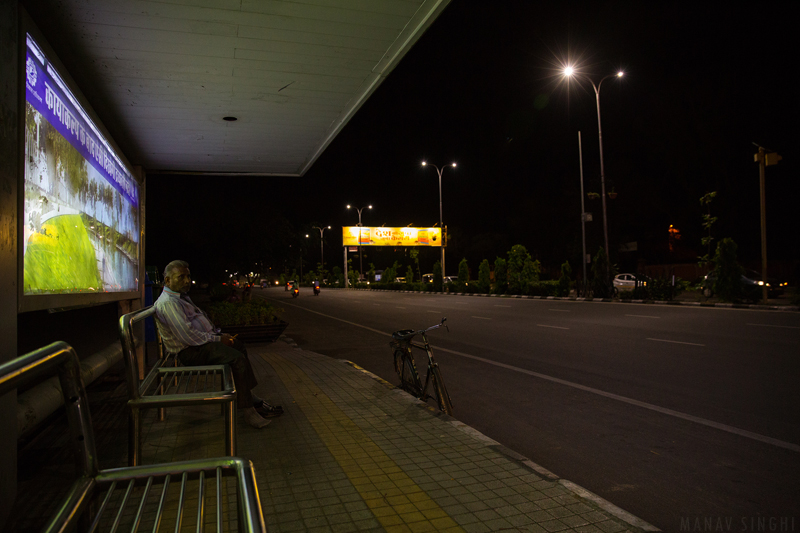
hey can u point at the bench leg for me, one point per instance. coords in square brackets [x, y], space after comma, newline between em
[134, 437]
[230, 429]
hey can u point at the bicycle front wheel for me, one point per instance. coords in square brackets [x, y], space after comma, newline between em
[442, 398]
[409, 377]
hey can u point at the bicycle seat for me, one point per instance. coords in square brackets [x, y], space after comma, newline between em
[404, 335]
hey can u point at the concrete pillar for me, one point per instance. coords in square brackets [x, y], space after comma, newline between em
[9, 183]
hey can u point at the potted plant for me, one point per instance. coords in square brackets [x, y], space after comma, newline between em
[612, 194]
[252, 321]
[593, 195]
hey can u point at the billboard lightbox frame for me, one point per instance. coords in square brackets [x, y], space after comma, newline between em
[35, 302]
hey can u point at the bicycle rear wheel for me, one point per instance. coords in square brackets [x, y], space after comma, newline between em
[442, 398]
[407, 370]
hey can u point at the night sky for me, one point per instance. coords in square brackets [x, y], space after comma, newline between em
[483, 88]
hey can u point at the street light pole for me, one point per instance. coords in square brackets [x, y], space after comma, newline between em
[569, 71]
[360, 258]
[441, 219]
[764, 159]
[321, 253]
[583, 218]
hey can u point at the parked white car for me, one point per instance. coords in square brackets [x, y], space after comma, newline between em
[628, 281]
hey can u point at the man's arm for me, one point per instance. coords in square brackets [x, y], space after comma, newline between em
[171, 315]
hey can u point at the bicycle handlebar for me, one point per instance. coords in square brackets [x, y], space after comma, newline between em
[408, 334]
[437, 326]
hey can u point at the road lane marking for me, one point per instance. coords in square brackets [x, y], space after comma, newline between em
[644, 316]
[676, 342]
[554, 327]
[644, 405]
[437, 312]
[482, 317]
[502, 306]
[560, 310]
[775, 326]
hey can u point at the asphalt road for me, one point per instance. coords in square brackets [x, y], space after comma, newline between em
[675, 414]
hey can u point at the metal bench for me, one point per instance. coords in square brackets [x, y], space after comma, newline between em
[143, 497]
[175, 386]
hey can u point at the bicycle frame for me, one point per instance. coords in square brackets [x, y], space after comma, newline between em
[433, 374]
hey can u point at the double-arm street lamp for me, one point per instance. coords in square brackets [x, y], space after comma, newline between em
[360, 259]
[570, 73]
[441, 221]
[321, 253]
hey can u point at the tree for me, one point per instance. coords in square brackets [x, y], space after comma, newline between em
[321, 273]
[565, 279]
[338, 277]
[601, 276]
[500, 275]
[522, 271]
[728, 282]
[463, 272]
[390, 274]
[708, 221]
[414, 255]
[484, 277]
[371, 273]
[530, 274]
[409, 274]
[437, 276]
[517, 257]
[352, 275]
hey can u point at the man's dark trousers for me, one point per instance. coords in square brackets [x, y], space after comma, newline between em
[216, 353]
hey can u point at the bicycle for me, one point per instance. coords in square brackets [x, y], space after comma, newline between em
[410, 381]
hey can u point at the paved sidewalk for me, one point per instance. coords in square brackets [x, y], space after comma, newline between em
[354, 453]
[350, 453]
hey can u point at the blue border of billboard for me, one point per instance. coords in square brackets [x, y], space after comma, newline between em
[49, 95]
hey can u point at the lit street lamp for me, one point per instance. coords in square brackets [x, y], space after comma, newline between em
[570, 72]
[321, 256]
[360, 259]
[441, 222]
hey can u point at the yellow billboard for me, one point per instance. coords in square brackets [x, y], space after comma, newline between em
[372, 236]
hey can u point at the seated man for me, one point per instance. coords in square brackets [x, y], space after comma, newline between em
[188, 332]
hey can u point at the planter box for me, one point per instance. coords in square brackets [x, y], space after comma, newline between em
[258, 332]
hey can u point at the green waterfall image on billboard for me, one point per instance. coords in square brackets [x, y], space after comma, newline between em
[81, 226]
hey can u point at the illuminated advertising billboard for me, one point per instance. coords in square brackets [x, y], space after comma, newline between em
[371, 236]
[81, 208]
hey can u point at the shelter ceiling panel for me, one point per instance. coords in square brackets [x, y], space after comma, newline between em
[167, 57]
[163, 74]
[127, 38]
[360, 12]
[309, 18]
[137, 26]
[136, 72]
[290, 93]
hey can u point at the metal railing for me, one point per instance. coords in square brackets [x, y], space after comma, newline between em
[135, 497]
[172, 387]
